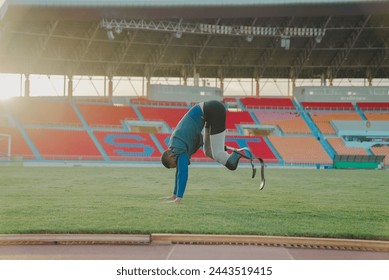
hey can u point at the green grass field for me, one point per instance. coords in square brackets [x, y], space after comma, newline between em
[295, 202]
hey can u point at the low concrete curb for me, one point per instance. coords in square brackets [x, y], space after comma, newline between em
[73, 239]
[200, 239]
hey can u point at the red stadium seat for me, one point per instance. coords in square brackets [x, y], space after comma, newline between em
[170, 115]
[19, 146]
[55, 144]
[103, 115]
[328, 106]
[38, 111]
[365, 106]
[235, 118]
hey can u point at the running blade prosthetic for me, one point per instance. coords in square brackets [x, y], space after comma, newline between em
[247, 154]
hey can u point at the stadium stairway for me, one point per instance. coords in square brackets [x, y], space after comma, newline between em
[274, 150]
[314, 129]
[23, 132]
[90, 132]
[240, 104]
[138, 113]
[359, 111]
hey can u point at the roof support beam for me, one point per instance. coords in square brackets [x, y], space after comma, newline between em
[349, 43]
[304, 55]
[84, 47]
[378, 61]
[196, 56]
[42, 42]
[159, 53]
[267, 56]
[121, 52]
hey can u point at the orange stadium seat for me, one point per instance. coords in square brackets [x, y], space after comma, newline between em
[381, 151]
[377, 116]
[323, 119]
[300, 150]
[341, 148]
[288, 122]
[103, 114]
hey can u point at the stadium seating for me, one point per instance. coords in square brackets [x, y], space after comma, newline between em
[57, 130]
[341, 148]
[373, 116]
[239, 117]
[328, 106]
[55, 144]
[170, 115]
[157, 103]
[127, 146]
[268, 103]
[19, 146]
[373, 106]
[290, 122]
[229, 100]
[322, 119]
[300, 150]
[97, 115]
[38, 111]
[257, 144]
[381, 151]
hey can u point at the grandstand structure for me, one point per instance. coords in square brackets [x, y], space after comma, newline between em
[280, 130]
[292, 39]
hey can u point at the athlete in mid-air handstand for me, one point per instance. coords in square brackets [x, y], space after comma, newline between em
[187, 138]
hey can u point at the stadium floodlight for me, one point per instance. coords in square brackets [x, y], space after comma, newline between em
[318, 39]
[249, 38]
[285, 42]
[178, 34]
[110, 34]
[118, 29]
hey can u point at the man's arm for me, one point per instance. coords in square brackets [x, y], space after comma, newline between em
[182, 174]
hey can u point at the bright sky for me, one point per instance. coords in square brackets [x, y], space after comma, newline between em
[12, 85]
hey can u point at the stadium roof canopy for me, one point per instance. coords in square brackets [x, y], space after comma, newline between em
[238, 39]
